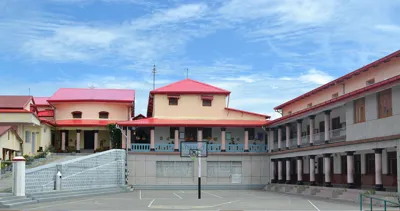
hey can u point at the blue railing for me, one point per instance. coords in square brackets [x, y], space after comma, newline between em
[164, 147]
[235, 147]
[140, 147]
[214, 147]
[383, 202]
[257, 147]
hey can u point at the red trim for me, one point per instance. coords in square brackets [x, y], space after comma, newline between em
[46, 113]
[207, 97]
[154, 122]
[174, 96]
[345, 77]
[83, 123]
[14, 111]
[189, 92]
[97, 101]
[248, 112]
[340, 98]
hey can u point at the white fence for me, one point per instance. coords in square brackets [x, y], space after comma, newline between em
[104, 169]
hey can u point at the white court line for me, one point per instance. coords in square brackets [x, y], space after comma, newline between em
[181, 191]
[140, 194]
[229, 202]
[177, 195]
[212, 194]
[58, 204]
[151, 203]
[314, 205]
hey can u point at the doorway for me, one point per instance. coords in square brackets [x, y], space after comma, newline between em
[88, 139]
[357, 171]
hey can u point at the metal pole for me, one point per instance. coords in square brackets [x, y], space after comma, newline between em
[199, 178]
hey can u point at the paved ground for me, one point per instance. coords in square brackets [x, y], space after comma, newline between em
[228, 200]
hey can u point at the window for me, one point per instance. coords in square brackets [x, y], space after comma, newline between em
[252, 133]
[172, 132]
[370, 161]
[206, 102]
[173, 101]
[28, 137]
[385, 103]
[174, 169]
[207, 133]
[343, 160]
[392, 163]
[335, 95]
[335, 123]
[223, 168]
[370, 82]
[309, 105]
[77, 114]
[103, 115]
[359, 110]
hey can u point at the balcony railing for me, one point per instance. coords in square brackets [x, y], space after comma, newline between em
[140, 147]
[210, 147]
[338, 135]
[164, 147]
[235, 147]
[214, 147]
[257, 147]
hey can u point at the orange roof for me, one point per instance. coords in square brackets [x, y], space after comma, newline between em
[341, 79]
[93, 95]
[83, 123]
[155, 122]
[248, 112]
[189, 86]
[41, 101]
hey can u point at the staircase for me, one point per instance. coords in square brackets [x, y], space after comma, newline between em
[7, 200]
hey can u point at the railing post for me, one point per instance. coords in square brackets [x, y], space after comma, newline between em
[370, 203]
[58, 179]
[384, 205]
[361, 199]
[19, 176]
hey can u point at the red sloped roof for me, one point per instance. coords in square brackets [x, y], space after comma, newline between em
[189, 86]
[248, 112]
[46, 113]
[41, 101]
[339, 80]
[14, 102]
[93, 95]
[155, 122]
[83, 123]
[4, 129]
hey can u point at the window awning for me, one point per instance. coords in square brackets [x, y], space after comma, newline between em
[207, 97]
[174, 96]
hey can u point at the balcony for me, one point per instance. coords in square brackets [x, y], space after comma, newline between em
[258, 148]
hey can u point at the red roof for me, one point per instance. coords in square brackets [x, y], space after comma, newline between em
[189, 86]
[4, 129]
[93, 95]
[248, 112]
[49, 122]
[341, 79]
[155, 122]
[355, 93]
[83, 123]
[14, 102]
[41, 101]
[46, 113]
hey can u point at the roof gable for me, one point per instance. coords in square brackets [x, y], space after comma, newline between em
[41, 101]
[189, 86]
[14, 102]
[95, 95]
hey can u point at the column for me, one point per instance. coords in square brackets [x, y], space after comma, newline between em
[299, 170]
[327, 119]
[223, 139]
[327, 170]
[350, 169]
[280, 179]
[378, 170]
[287, 136]
[129, 134]
[199, 134]
[288, 171]
[312, 170]
[152, 137]
[78, 141]
[271, 137]
[299, 133]
[311, 119]
[96, 140]
[123, 138]
[272, 167]
[63, 140]
[18, 176]
[246, 140]
[279, 138]
[176, 140]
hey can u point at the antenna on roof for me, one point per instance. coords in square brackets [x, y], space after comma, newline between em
[187, 72]
[91, 86]
[154, 76]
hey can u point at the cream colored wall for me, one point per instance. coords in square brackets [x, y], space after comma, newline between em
[27, 147]
[91, 110]
[18, 118]
[11, 143]
[380, 73]
[28, 106]
[45, 136]
[191, 107]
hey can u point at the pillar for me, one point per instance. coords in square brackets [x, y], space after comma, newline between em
[327, 119]
[299, 133]
[271, 137]
[299, 170]
[152, 137]
[78, 141]
[223, 139]
[199, 134]
[350, 169]
[287, 136]
[378, 170]
[272, 167]
[327, 170]
[246, 140]
[312, 170]
[63, 140]
[129, 134]
[280, 179]
[311, 119]
[96, 140]
[18, 176]
[176, 140]
[288, 171]
[123, 138]
[279, 138]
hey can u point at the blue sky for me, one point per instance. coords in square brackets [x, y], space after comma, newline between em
[264, 51]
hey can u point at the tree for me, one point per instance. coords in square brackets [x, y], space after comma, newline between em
[115, 136]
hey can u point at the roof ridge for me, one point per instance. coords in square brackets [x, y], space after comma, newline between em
[209, 85]
[97, 88]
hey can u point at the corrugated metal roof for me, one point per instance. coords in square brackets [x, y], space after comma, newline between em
[14, 102]
[95, 95]
[189, 86]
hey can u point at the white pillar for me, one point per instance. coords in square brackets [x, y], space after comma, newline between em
[279, 138]
[287, 136]
[363, 164]
[223, 140]
[123, 138]
[378, 170]
[350, 169]
[176, 140]
[280, 179]
[287, 171]
[199, 134]
[96, 140]
[19, 176]
[299, 133]
[327, 170]
[63, 140]
[312, 170]
[152, 137]
[246, 140]
[78, 141]
[327, 119]
[299, 170]
[272, 167]
[311, 119]
[129, 135]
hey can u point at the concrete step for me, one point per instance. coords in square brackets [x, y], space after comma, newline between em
[60, 192]
[71, 195]
[16, 201]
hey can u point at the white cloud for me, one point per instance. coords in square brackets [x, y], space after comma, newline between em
[316, 77]
[388, 28]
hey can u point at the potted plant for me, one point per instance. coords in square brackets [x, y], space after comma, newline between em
[215, 139]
